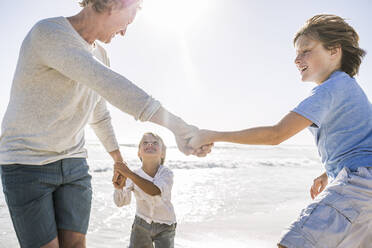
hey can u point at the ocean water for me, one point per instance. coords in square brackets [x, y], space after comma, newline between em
[238, 196]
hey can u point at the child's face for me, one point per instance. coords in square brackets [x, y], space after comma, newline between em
[150, 148]
[314, 62]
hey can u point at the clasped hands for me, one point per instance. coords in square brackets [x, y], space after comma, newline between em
[121, 172]
[192, 141]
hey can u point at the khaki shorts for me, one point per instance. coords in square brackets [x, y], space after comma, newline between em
[341, 216]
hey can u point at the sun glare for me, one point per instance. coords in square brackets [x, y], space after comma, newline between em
[178, 15]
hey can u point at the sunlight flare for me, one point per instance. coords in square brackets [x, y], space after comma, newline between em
[175, 14]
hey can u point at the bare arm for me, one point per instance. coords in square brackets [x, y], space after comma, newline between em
[290, 125]
[147, 186]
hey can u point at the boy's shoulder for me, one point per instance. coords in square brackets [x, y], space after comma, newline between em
[165, 169]
[338, 82]
[338, 79]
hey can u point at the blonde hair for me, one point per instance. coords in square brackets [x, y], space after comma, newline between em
[158, 138]
[103, 5]
[332, 31]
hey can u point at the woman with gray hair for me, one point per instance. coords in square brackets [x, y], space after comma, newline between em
[61, 83]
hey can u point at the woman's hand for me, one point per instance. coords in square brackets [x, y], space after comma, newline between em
[319, 185]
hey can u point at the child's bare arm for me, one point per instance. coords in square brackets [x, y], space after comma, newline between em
[147, 186]
[290, 125]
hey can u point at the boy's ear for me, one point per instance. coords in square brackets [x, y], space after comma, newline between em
[336, 50]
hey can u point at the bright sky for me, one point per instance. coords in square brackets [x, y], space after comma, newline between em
[219, 64]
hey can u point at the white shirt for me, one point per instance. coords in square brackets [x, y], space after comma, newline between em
[157, 208]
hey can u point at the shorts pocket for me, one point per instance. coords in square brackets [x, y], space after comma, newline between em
[329, 220]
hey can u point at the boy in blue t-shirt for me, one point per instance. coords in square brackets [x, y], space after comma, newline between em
[339, 115]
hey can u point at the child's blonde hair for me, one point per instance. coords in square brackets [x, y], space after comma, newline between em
[158, 138]
[333, 31]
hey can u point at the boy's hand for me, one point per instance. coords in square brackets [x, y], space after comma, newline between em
[319, 185]
[203, 150]
[201, 138]
[118, 180]
[122, 169]
[120, 174]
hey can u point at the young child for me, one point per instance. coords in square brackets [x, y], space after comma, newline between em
[339, 115]
[155, 220]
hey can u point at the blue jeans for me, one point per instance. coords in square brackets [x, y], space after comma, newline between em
[44, 198]
[144, 235]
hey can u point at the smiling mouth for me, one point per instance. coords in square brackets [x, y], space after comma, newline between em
[303, 69]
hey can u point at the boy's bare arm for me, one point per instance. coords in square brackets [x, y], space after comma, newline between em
[290, 125]
[147, 186]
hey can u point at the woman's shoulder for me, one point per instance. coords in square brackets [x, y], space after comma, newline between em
[52, 24]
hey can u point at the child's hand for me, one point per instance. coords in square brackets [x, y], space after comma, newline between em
[319, 185]
[203, 150]
[122, 169]
[120, 174]
[118, 180]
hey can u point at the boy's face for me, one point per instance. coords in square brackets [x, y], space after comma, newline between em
[314, 62]
[150, 148]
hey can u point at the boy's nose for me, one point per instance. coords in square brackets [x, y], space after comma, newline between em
[297, 60]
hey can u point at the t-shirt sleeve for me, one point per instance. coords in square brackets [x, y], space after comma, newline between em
[165, 183]
[57, 48]
[315, 107]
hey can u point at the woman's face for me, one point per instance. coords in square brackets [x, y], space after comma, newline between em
[118, 20]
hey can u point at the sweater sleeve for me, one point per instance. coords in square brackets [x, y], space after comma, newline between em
[101, 124]
[60, 49]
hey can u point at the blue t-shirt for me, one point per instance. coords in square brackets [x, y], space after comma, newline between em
[342, 123]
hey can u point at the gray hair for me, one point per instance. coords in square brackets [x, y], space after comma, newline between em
[103, 5]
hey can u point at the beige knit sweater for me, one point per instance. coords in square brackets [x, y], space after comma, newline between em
[60, 85]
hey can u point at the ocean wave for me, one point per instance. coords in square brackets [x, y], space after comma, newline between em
[100, 167]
